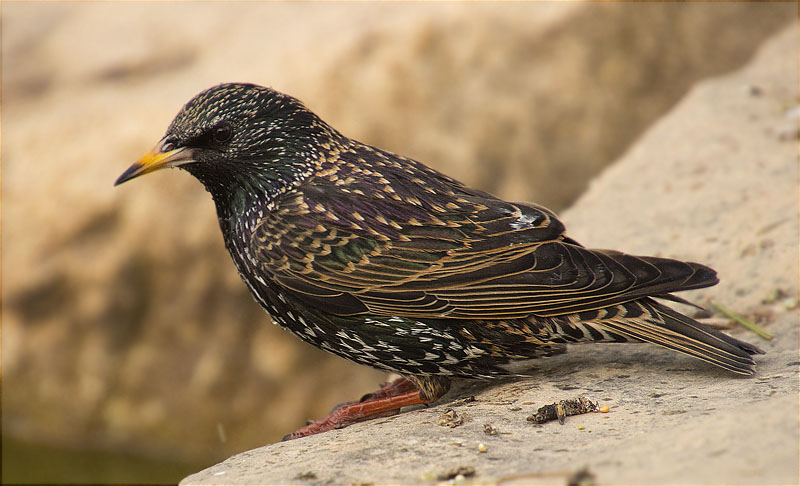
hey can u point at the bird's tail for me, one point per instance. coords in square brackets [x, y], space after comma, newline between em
[648, 321]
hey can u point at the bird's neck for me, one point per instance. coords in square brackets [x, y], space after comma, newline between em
[243, 203]
[238, 215]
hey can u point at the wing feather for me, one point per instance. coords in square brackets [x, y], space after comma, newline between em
[479, 257]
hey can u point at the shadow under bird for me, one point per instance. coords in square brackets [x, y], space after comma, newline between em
[384, 261]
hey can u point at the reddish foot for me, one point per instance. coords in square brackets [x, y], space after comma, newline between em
[388, 390]
[387, 400]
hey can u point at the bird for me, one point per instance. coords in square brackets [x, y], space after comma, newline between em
[384, 261]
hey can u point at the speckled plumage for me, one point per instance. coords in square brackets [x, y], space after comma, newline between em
[385, 261]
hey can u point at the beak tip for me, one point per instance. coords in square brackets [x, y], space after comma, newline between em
[156, 159]
[129, 174]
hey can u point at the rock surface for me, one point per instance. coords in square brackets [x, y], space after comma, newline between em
[125, 325]
[716, 181]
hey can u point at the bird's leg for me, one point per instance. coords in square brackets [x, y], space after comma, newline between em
[387, 400]
[390, 389]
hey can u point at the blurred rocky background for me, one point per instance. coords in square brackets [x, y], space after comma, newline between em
[131, 351]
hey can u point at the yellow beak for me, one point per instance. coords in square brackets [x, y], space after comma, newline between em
[157, 158]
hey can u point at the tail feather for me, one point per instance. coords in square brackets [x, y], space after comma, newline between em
[661, 325]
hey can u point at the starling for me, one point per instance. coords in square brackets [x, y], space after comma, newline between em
[384, 261]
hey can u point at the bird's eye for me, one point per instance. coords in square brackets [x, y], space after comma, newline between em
[222, 133]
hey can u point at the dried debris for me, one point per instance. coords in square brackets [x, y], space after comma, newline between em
[464, 471]
[741, 320]
[305, 476]
[462, 401]
[582, 477]
[773, 296]
[559, 411]
[450, 418]
[490, 429]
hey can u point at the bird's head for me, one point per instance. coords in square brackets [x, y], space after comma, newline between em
[236, 137]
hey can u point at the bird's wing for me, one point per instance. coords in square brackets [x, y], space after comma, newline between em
[472, 257]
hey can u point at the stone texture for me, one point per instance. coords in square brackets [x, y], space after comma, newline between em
[124, 323]
[712, 181]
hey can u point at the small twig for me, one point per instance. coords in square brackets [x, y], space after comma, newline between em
[742, 320]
